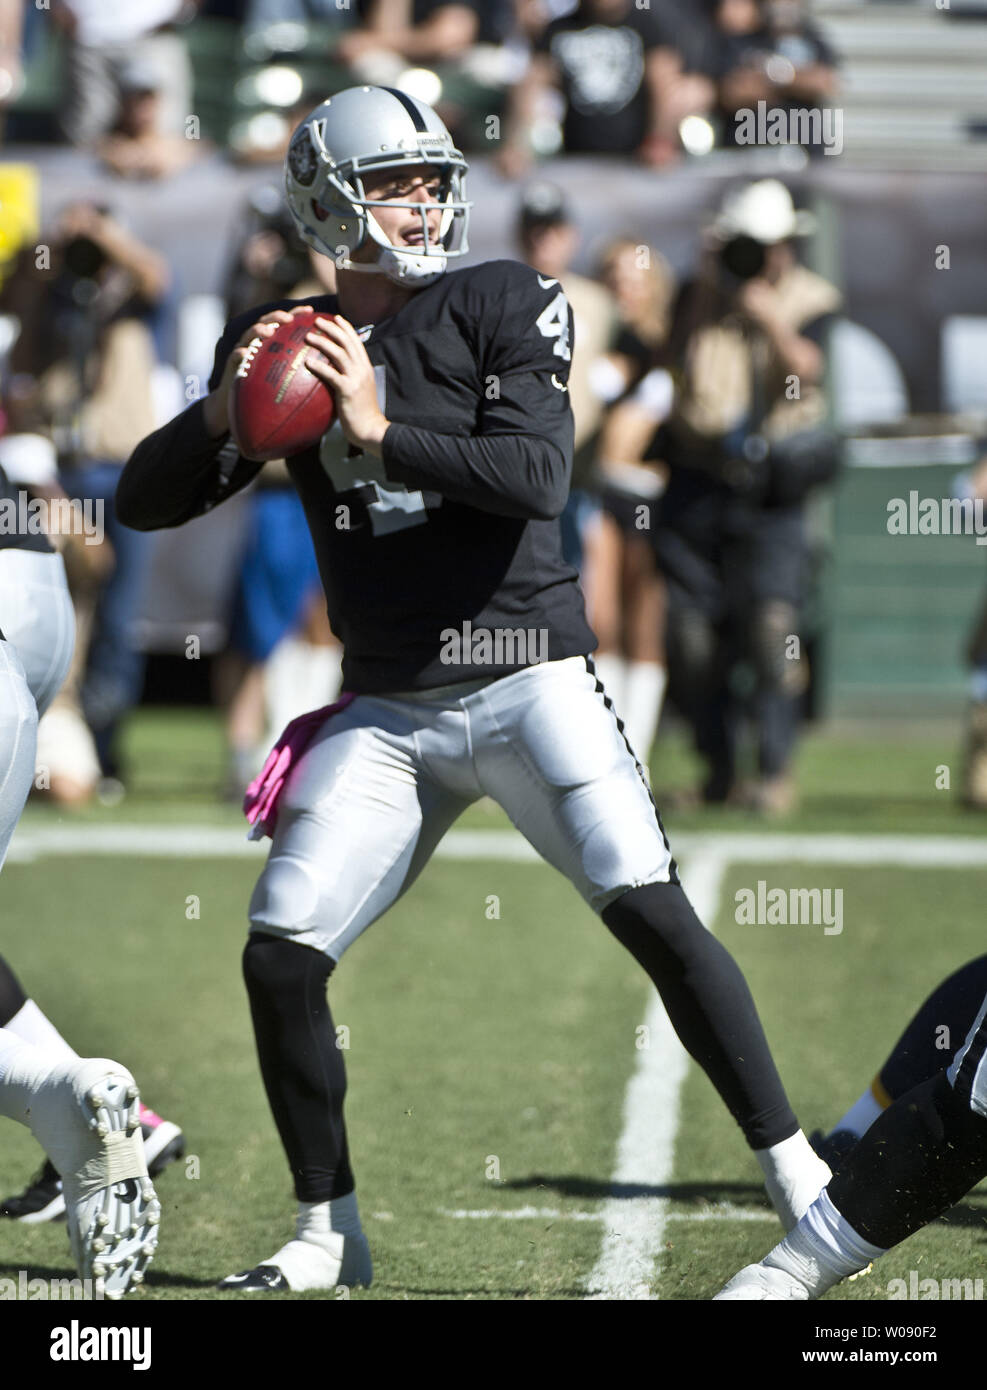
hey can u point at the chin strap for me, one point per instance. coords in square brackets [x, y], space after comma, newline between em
[400, 265]
[401, 268]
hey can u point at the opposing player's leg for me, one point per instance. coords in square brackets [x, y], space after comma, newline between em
[85, 1112]
[43, 1199]
[947, 1014]
[18, 741]
[916, 1161]
[37, 619]
[357, 822]
[550, 750]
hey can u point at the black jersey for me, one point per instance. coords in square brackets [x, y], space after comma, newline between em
[455, 530]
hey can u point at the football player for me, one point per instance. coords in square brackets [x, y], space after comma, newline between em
[85, 1112]
[948, 1013]
[916, 1159]
[44, 1198]
[433, 503]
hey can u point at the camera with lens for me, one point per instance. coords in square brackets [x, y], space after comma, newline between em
[741, 259]
[83, 258]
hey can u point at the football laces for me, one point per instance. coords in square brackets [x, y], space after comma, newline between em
[253, 348]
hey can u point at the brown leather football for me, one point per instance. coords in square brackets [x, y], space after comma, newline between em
[277, 406]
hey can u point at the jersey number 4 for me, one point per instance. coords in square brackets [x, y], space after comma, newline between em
[553, 322]
[394, 508]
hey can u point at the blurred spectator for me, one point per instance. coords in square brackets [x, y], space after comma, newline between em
[259, 13]
[11, 39]
[549, 241]
[83, 374]
[463, 39]
[744, 442]
[763, 50]
[680, 86]
[136, 146]
[626, 591]
[608, 59]
[421, 31]
[102, 38]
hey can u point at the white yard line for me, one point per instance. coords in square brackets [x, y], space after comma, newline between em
[185, 841]
[519, 1214]
[635, 1226]
[719, 1211]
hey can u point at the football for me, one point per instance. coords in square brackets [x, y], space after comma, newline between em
[277, 406]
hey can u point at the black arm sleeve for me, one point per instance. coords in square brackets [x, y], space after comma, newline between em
[519, 462]
[179, 472]
[511, 476]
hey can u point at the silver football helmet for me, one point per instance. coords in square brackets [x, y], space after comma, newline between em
[364, 130]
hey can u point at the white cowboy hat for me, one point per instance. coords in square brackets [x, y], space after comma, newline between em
[763, 211]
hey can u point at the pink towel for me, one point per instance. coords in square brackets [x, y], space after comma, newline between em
[260, 804]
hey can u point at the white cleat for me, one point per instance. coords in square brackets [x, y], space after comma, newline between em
[758, 1283]
[87, 1117]
[302, 1265]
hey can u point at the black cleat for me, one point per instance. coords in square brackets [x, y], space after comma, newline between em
[262, 1279]
[834, 1148]
[40, 1201]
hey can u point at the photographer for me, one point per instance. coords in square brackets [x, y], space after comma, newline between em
[744, 443]
[82, 374]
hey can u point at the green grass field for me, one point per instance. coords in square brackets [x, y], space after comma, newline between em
[487, 1059]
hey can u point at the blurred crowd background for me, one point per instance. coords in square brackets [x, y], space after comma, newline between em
[773, 340]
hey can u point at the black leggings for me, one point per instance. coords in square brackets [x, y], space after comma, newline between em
[301, 1065]
[701, 986]
[709, 1005]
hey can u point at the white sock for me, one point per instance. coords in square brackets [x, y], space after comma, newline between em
[644, 691]
[31, 1026]
[822, 1249]
[861, 1115]
[23, 1071]
[612, 671]
[794, 1175]
[317, 1220]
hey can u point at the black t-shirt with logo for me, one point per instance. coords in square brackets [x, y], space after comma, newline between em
[602, 63]
[458, 521]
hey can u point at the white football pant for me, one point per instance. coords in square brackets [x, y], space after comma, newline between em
[382, 782]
